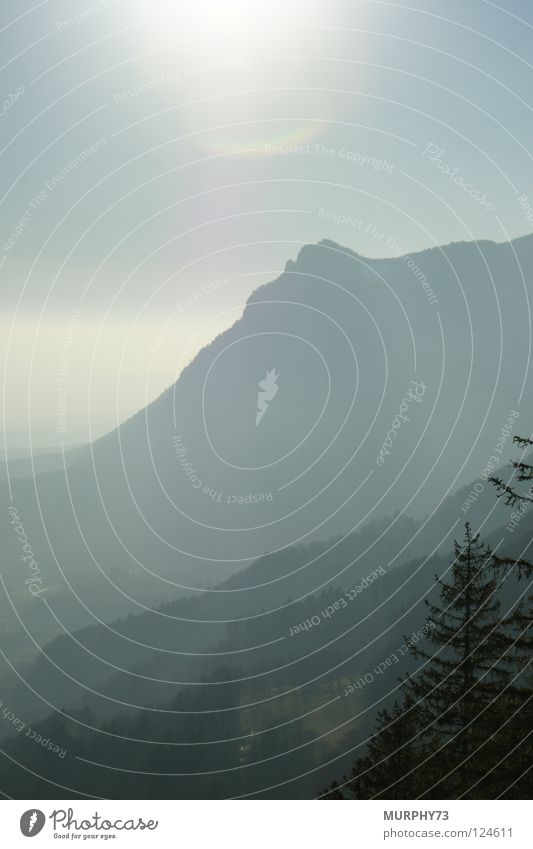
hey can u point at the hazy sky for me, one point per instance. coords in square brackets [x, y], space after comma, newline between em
[160, 159]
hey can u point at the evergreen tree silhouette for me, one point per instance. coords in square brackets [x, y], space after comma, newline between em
[449, 737]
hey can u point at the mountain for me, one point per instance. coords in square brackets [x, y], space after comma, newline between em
[188, 601]
[139, 660]
[275, 707]
[374, 398]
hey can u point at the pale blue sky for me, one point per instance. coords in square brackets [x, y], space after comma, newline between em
[181, 106]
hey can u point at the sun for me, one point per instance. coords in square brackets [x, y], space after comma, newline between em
[214, 29]
[228, 60]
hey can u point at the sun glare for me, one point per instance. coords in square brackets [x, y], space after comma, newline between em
[220, 26]
[212, 28]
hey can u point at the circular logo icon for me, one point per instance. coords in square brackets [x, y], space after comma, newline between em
[32, 822]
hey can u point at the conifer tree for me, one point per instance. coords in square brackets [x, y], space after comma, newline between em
[388, 770]
[464, 684]
[519, 496]
[448, 734]
[523, 472]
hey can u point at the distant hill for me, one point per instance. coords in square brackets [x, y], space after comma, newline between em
[194, 488]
